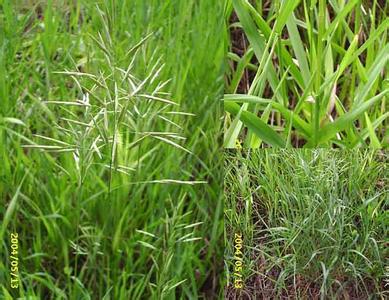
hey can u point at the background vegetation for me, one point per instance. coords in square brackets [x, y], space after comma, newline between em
[307, 74]
[109, 134]
[314, 223]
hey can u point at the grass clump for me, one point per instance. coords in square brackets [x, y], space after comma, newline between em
[107, 175]
[307, 74]
[313, 221]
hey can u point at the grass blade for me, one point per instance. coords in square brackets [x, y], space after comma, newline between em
[258, 127]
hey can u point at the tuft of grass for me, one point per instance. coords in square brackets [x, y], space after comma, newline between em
[313, 221]
[107, 172]
[307, 74]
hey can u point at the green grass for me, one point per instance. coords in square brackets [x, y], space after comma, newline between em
[314, 223]
[307, 74]
[109, 134]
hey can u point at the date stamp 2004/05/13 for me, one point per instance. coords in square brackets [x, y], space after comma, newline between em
[238, 261]
[14, 261]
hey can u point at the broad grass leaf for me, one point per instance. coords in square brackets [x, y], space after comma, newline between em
[329, 130]
[256, 125]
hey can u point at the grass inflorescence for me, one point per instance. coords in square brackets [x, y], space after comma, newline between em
[107, 174]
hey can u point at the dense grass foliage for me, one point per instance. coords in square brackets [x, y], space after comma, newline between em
[109, 134]
[314, 222]
[307, 74]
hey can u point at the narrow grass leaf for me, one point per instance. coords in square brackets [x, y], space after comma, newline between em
[374, 142]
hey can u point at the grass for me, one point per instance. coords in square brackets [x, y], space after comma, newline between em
[109, 134]
[307, 74]
[313, 222]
